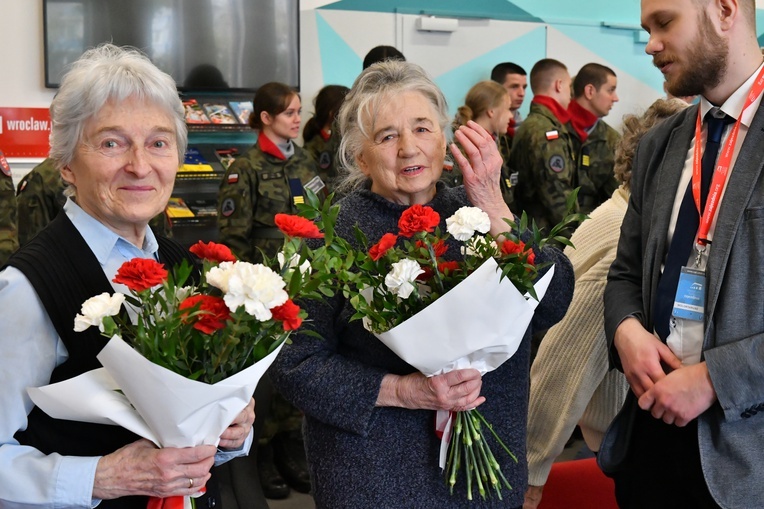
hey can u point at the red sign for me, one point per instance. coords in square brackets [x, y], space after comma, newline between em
[24, 132]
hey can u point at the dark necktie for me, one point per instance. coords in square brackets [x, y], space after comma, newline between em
[686, 227]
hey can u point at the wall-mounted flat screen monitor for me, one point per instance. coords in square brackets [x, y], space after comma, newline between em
[231, 45]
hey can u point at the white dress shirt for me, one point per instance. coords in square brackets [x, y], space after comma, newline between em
[686, 336]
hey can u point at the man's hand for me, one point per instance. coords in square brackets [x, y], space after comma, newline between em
[681, 396]
[641, 356]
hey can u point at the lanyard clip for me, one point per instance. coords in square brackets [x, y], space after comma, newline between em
[700, 248]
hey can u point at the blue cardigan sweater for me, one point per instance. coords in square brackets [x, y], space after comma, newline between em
[363, 456]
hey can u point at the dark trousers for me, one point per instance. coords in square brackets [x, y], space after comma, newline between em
[663, 468]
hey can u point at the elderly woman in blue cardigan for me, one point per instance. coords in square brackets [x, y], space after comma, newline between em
[369, 416]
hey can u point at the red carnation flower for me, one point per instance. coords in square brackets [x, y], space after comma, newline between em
[214, 313]
[141, 274]
[379, 249]
[417, 219]
[213, 252]
[449, 267]
[509, 247]
[439, 247]
[296, 226]
[289, 314]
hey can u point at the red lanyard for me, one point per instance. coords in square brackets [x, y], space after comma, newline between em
[722, 166]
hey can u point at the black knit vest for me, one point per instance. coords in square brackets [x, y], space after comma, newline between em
[65, 273]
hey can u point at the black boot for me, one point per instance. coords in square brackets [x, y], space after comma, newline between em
[274, 486]
[289, 458]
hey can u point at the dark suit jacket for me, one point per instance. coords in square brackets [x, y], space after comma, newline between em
[730, 433]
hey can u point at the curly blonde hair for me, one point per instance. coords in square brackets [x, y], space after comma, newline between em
[634, 127]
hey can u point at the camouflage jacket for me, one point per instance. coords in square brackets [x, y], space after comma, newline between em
[544, 157]
[324, 152]
[40, 197]
[9, 241]
[595, 158]
[254, 189]
[452, 176]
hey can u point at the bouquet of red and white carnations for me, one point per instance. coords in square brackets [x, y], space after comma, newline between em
[440, 315]
[187, 350]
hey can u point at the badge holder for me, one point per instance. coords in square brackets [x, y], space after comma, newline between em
[690, 300]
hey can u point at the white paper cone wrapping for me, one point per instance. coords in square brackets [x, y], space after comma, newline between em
[477, 324]
[168, 409]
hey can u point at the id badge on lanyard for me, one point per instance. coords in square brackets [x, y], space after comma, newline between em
[690, 299]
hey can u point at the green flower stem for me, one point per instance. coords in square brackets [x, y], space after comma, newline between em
[490, 428]
[468, 445]
[452, 464]
[486, 463]
[434, 262]
[475, 467]
[467, 466]
[483, 469]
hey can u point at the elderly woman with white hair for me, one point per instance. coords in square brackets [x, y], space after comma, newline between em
[369, 428]
[118, 137]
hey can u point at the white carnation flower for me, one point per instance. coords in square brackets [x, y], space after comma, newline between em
[466, 221]
[95, 309]
[304, 268]
[400, 280]
[219, 276]
[256, 287]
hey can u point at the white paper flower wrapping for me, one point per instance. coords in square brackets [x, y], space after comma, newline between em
[162, 406]
[477, 324]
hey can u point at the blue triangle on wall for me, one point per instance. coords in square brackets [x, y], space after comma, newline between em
[339, 63]
[492, 9]
[616, 46]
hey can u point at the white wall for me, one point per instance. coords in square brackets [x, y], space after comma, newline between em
[22, 75]
[21, 55]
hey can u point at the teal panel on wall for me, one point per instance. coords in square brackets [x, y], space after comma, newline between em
[492, 9]
[524, 51]
[760, 26]
[591, 12]
[339, 63]
[618, 47]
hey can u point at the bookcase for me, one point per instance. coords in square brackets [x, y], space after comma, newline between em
[217, 132]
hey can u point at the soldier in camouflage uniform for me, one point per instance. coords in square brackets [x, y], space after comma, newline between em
[594, 93]
[514, 79]
[40, 197]
[9, 241]
[321, 136]
[542, 149]
[489, 105]
[270, 178]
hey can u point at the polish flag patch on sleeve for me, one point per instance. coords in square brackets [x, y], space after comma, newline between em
[552, 135]
[233, 178]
